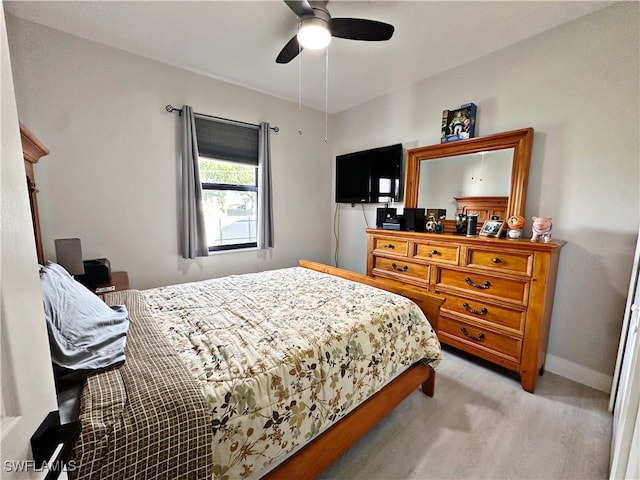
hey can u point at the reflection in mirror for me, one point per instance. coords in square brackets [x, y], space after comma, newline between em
[471, 175]
[515, 144]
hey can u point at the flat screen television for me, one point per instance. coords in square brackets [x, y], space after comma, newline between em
[370, 176]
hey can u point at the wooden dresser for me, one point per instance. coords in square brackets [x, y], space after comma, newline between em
[499, 293]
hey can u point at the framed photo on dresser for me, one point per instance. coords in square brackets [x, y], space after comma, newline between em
[492, 228]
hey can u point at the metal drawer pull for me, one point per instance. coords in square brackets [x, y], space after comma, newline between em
[399, 269]
[479, 338]
[496, 260]
[435, 252]
[391, 245]
[466, 306]
[485, 285]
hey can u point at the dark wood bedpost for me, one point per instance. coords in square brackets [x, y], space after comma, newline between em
[32, 150]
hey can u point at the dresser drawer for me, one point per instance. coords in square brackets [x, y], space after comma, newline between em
[511, 262]
[471, 337]
[482, 284]
[485, 312]
[396, 247]
[499, 293]
[437, 252]
[401, 270]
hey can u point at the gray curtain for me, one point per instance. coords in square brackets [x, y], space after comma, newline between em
[194, 240]
[265, 215]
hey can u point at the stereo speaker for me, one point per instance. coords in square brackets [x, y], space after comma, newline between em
[384, 214]
[414, 218]
[69, 255]
[96, 271]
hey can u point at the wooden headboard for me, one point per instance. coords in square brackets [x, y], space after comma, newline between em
[32, 150]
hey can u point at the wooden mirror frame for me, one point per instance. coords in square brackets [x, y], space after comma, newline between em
[520, 140]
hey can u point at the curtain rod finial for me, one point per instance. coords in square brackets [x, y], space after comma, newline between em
[171, 109]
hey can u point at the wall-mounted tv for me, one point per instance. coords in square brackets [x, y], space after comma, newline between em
[370, 176]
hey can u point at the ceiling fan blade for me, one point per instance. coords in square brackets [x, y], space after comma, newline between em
[290, 51]
[301, 8]
[361, 29]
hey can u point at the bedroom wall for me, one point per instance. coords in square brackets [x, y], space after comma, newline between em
[111, 177]
[577, 86]
[27, 391]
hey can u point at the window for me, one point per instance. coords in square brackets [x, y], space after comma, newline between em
[229, 201]
[228, 163]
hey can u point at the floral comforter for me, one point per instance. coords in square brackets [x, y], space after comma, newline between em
[281, 355]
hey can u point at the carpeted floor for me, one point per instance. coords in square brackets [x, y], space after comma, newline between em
[482, 425]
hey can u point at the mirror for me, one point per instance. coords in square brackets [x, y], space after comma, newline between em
[494, 166]
[443, 180]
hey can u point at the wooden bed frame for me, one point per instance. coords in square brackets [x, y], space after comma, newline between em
[318, 454]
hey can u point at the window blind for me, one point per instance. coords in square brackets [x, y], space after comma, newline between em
[227, 141]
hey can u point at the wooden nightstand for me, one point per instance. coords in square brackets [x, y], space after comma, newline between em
[117, 281]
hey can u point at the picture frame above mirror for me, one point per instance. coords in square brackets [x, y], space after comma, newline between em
[521, 141]
[459, 123]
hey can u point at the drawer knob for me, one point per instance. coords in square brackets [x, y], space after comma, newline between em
[399, 269]
[391, 245]
[479, 338]
[466, 306]
[496, 260]
[435, 252]
[470, 282]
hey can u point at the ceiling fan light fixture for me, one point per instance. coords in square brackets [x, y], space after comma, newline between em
[313, 33]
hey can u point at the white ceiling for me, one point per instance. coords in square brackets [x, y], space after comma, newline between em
[238, 41]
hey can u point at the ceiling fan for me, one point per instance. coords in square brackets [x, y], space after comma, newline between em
[316, 27]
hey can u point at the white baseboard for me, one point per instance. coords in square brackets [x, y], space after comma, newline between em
[578, 373]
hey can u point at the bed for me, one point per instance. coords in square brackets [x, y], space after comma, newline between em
[266, 375]
[180, 400]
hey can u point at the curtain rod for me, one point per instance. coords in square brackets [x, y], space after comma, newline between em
[171, 109]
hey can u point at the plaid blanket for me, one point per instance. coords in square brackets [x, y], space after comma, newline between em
[146, 419]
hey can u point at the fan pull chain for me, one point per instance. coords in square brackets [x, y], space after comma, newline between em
[299, 76]
[299, 81]
[326, 95]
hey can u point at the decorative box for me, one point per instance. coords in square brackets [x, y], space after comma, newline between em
[459, 123]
